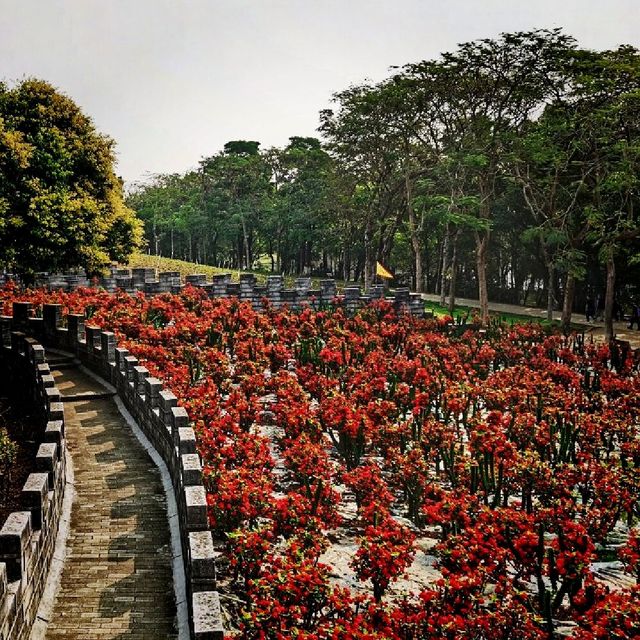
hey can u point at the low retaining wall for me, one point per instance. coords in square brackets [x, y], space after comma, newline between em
[148, 281]
[167, 427]
[27, 538]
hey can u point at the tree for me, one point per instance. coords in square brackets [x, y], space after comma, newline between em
[606, 95]
[361, 136]
[491, 89]
[61, 204]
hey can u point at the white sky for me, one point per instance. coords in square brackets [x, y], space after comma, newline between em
[173, 80]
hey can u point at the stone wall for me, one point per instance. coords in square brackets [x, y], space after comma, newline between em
[220, 286]
[167, 427]
[27, 537]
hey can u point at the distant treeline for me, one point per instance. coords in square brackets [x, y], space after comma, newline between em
[507, 169]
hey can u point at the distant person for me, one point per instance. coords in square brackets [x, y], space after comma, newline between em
[635, 315]
[589, 309]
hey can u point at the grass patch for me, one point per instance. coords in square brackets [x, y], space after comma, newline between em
[507, 318]
[139, 260]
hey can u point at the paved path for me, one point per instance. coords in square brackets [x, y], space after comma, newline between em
[117, 578]
[595, 328]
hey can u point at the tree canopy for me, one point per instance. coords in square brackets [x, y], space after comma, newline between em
[505, 169]
[61, 204]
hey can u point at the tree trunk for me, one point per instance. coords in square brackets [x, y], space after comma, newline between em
[567, 305]
[550, 290]
[172, 247]
[444, 265]
[608, 300]
[245, 238]
[454, 273]
[482, 241]
[368, 255]
[414, 230]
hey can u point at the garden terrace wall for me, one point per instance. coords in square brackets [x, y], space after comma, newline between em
[148, 281]
[27, 537]
[167, 427]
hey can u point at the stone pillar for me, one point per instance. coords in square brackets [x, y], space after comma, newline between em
[14, 547]
[108, 347]
[303, 286]
[152, 388]
[22, 311]
[247, 286]
[75, 329]
[219, 285]
[328, 291]
[196, 279]
[351, 299]
[275, 284]
[52, 318]
[416, 305]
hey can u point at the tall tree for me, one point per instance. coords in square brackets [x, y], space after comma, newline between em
[492, 89]
[61, 204]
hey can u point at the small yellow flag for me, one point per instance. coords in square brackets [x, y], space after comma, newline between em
[382, 272]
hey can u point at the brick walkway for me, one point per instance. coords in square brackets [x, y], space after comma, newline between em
[117, 577]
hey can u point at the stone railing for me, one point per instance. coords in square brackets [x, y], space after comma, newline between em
[27, 537]
[167, 427]
[220, 286]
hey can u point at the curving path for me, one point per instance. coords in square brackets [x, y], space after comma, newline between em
[117, 578]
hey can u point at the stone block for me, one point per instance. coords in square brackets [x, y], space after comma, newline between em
[186, 440]
[203, 559]
[207, 616]
[191, 468]
[75, 328]
[35, 498]
[166, 401]
[43, 369]
[108, 346]
[92, 334]
[46, 460]
[152, 387]
[14, 540]
[131, 362]
[17, 341]
[52, 395]
[55, 412]
[179, 419]
[120, 355]
[22, 311]
[52, 318]
[140, 374]
[47, 381]
[54, 432]
[36, 354]
[196, 507]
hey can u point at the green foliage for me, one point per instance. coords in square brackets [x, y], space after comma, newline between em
[509, 162]
[61, 204]
[8, 452]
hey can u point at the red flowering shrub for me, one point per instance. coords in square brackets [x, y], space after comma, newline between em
[514, 455]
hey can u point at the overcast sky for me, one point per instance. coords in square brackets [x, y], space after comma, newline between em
[173, 80]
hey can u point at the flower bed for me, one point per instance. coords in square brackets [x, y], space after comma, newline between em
[377, 477]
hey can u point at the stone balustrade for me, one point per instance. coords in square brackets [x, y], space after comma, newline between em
[27, 537]
[151, 282]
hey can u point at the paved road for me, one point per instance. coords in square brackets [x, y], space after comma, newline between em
[594, 328]
[117, 578]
